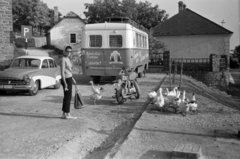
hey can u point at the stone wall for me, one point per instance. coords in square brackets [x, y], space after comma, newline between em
[6, 33]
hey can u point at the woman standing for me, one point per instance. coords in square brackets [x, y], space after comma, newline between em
[66, 81]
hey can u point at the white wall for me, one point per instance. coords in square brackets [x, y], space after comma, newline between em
[196, 46]
[60, 33]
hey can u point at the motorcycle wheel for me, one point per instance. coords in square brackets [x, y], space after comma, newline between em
[119, 96]
[137, 90]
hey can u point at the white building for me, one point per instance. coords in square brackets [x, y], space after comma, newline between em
[67, 31]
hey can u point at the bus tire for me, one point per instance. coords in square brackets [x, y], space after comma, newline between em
[137, 90]
[96, 79]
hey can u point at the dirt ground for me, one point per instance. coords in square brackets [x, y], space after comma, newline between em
[30, 127]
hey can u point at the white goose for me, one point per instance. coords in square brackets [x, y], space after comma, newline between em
[96, 93]
[172, 92]
[160, 99]
[177, 100]
[193, 104]
[184, 107]
[152, 95]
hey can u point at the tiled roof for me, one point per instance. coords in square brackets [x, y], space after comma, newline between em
[188, 22]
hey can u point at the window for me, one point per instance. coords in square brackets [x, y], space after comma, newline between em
[115, 41]
[137, 39]
[45, 64]
[95, 41]
[51, 63]
[73, 38]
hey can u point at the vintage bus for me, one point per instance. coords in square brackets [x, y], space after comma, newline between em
[109, 47]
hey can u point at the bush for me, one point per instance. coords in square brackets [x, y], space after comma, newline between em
[234, 63]
[20, 42]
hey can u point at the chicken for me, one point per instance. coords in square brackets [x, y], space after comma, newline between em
[96, 93]
[160, 99]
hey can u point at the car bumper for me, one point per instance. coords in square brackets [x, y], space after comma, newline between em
[15, 87]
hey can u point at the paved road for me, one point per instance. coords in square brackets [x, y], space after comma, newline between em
[30, 126]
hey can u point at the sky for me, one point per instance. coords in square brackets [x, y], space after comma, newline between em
[214, 10]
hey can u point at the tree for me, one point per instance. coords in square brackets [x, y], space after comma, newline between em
[236, 52]
[32, 12]
[142, 13]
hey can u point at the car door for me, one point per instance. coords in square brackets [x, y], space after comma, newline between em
[47, 78]
[55, 71]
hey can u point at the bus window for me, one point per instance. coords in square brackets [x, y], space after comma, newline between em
[95, 41]
[141, 41]
[137, 39]
[115, 41]
[134, 39]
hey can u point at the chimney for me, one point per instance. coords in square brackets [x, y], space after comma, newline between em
[184, 6]
[180, 6]
[55, 15]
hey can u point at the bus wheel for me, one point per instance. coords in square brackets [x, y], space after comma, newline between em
[119, 96]
[96, 79]
[137, 89]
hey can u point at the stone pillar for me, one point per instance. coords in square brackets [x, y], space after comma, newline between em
[215, 63]
[6, 33]
[166, 60]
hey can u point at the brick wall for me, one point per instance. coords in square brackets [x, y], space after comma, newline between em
[6, 34]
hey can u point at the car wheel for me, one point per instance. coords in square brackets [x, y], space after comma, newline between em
[57, 85]
[35, 89]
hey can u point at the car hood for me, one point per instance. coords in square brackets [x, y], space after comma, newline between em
[17, 72]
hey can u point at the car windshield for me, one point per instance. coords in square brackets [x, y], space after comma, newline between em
[21, 62]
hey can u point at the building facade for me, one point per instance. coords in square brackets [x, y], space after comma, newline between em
[189, 35]
[6, 33]
[67, 31]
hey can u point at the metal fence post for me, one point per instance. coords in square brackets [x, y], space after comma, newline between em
[180, 84]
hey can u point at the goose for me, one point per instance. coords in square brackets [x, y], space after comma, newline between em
[160, 99]
[95, 97]
[184, 107]
[193, 104]
[96, 90]
[152, 96]
[96, 93]
[172, 92]
[177, 100]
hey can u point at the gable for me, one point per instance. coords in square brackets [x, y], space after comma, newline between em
[188, 22]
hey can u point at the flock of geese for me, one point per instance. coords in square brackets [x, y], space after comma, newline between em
[172, 99]
[169, 99]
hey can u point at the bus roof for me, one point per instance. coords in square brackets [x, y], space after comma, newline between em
[112, 26]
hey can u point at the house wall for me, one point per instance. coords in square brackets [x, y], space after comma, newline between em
[60, 33]
[196, 46]
[6, 35]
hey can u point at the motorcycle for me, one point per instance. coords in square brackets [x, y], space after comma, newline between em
[126, 87]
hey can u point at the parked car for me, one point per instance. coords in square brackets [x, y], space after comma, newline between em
[29, 74]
